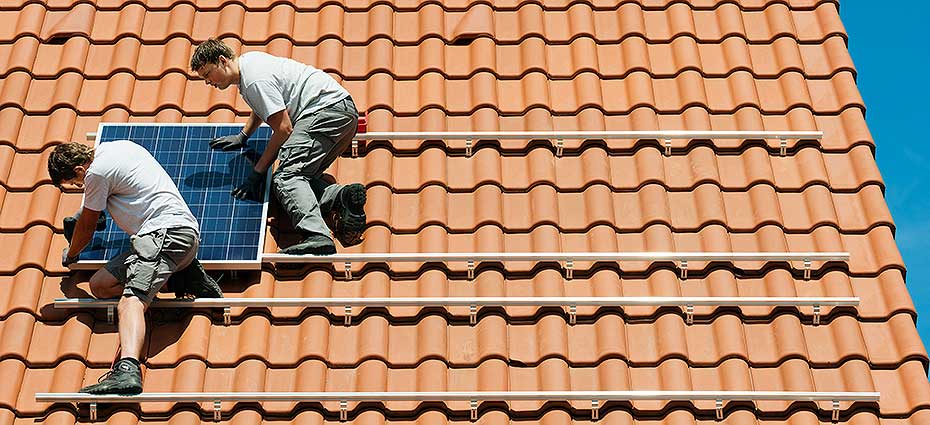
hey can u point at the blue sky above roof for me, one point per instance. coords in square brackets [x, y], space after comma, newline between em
[890, 49]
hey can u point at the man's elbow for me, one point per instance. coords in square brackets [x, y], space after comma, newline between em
[285, 130]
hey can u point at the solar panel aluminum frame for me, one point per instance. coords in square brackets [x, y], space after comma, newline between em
[255, 264]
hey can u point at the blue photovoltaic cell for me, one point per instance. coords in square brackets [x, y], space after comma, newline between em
[230, 229]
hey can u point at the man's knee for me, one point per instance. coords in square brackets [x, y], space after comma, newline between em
[104, 285]
[127, 302]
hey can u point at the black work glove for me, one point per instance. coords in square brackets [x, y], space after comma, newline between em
[229, 143]
[71, 222]
[66, 260]
[252, 188]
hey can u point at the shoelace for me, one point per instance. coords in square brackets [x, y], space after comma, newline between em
[105, 376]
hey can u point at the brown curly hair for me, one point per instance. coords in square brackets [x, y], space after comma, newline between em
[210, 51]
[64, 158]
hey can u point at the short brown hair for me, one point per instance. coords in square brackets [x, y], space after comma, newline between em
[64, 158]
[210, 51]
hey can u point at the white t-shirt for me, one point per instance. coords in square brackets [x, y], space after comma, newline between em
[270, 84]
[132, 186]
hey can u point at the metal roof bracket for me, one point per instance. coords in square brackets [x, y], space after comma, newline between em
[348, 269]
[569, 266]
[348, 315]
[572, 314]
[816, 315]
[227, 315]
[343, 410]
[683, 265]
[472, 314]
[559, 147]
[93, 411]
[595, 410]
[836, 411]
[355, 149]
[782, 146]
[217, 405]
[807, 269]
[471, 269]
[468, 147]
[719, 408]
[111, 313]
[689, 312]
[474, 410]
[668, 147]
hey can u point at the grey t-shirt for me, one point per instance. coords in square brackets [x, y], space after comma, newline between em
[270, 84]
[132, 186]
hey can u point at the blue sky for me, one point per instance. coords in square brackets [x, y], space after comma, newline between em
[890, 49]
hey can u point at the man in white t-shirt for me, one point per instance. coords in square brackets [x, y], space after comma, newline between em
[124, 179]
[313, 120]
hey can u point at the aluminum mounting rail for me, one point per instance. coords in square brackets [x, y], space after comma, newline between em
[595, 397]
[559, 136]
[470, 258]
[473, 303]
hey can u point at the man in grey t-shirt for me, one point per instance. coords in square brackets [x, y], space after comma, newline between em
[123, 178]
[313, 120]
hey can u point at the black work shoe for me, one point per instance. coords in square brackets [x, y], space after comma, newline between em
[193, 281]
[125, 379]
[349, 215]
[315, 245]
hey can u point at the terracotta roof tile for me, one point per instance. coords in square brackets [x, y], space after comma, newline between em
[381, 55]
[509, 65]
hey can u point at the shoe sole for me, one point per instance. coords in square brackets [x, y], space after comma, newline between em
[355, 197]
[117, 391]
[311, 250]
[352, 213]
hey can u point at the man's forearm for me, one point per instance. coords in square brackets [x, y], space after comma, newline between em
[253, 122]
[271, 151]
[83, 231]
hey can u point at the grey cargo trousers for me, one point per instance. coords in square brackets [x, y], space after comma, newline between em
[315, 143]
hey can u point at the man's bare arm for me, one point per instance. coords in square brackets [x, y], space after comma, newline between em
[83, 231]
[281, 127]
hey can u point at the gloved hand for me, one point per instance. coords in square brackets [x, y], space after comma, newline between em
[252, 188]
[71, 222]
[66, 260]
[229, 143]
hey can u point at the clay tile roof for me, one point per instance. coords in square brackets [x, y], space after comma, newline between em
[413, 65]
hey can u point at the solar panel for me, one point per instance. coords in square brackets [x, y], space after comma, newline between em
[232, 231]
